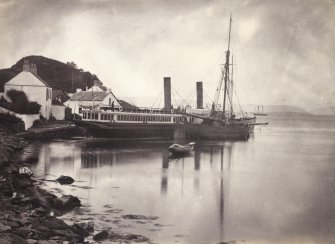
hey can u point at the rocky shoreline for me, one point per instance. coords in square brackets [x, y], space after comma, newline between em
[28, 213]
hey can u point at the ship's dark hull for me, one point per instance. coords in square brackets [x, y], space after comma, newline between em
[250, 121]
[202, 131]
[127, 130]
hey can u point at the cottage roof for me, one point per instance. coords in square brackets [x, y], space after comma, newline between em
[56, 93]
[56, 102]
[25, 78]
[60, 95]
[89, 96]
[126, 105]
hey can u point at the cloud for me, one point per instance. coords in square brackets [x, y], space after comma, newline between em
[248, 28]
[280, 47]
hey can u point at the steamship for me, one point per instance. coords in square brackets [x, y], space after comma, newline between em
[157, 123]
[131, 122]
[167, 122]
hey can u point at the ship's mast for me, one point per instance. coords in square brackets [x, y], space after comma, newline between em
[232, 85]
[226, 75]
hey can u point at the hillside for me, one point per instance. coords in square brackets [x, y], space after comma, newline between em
[324, 111]
[57, 74]
[273, 109]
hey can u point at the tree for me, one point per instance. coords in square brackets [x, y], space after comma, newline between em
[19, 103]
[72, 65]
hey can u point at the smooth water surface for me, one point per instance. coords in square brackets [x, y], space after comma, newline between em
[277, 187]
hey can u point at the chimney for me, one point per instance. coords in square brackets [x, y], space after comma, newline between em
[199, 95]
[26, 65]
[167, 93]
[33, 68]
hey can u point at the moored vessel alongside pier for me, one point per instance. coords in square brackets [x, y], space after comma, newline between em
[166, 122]
[133, 124]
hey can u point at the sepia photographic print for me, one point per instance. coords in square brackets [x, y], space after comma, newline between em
[167, 121]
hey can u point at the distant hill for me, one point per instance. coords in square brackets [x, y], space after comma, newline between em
[324, 111]
[273, 109]
[57, 74]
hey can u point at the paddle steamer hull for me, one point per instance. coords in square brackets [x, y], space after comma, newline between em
[127, 130]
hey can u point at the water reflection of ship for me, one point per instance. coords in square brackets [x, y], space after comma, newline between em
[45, 157]
[225, 152]
[166, 159]
[98, 153]
[224, 183]
[96, 159]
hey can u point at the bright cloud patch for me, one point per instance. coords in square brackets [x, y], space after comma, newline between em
[247, 29]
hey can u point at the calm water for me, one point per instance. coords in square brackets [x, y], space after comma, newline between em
[277, 187]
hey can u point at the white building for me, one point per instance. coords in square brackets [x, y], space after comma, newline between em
[33, 86]
[94, 98]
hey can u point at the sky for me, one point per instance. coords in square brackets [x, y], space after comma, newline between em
[284, 51]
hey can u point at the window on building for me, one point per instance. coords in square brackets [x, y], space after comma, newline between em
[80, 110]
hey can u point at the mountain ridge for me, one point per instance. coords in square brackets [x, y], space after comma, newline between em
[57, 74]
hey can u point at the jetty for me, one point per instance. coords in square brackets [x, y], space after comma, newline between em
[52, 129]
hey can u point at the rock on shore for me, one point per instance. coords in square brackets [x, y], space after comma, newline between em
[25, 208]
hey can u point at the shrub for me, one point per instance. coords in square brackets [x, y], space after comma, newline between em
[17, 97]
[52, 118]
[19, 103]
[11, 123]
[33, 108]
[38, 123]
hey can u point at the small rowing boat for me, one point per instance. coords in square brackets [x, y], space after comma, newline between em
[181, 150]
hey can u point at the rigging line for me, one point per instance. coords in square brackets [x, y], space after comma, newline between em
[219, 88]
[179, 95]
[175, 100]
[174, 93]
[159, 94]
[238, 101]
[185, 100]
[206, 101]
[208, 98]
[159, 103]
[230, 94]
[190, 100]
[210, 69]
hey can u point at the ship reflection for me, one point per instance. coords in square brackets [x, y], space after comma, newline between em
[224, 186]
[217, 157]
[109, 157]
[204, 173]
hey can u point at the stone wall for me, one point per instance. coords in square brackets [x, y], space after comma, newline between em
[28, 119]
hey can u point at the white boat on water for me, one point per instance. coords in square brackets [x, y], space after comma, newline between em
[180, 150]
